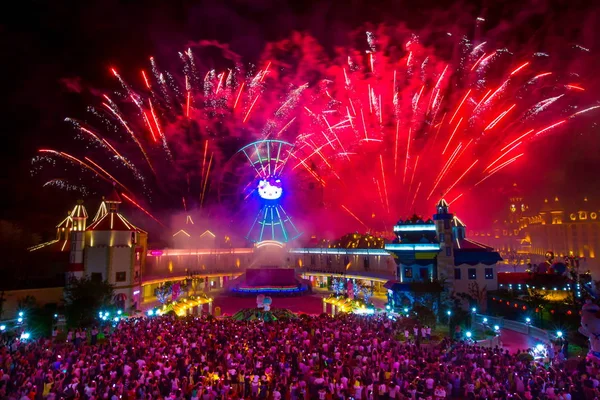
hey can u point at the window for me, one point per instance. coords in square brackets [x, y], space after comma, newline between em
[96, 277]
[489, 273]
[457, 273]
[441, 238]
[472, 273]
[408, 272]
[120, 276]
[448, 251]
[424, 274]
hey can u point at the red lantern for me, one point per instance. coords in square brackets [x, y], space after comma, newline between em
[537, 310]
[524, 308]
[569, 312]
[551, 311]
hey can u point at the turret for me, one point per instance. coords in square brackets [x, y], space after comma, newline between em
[78, 217]
[115, 251]
[443, 224]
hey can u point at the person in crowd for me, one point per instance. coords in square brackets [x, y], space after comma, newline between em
[313, 357]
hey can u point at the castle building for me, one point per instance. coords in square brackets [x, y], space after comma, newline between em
[115, 250]
[570, 232]
[526, 236]
[416, 248]
[439, 250]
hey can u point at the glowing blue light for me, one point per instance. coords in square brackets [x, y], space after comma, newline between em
[559, 334]
[270, 189]
[387, 307]
[20, 320]
[338, 252]
[469, 334]
[414, 228]
[539, 347]
[474, 309]
[413, 246]
[485, 320]
[119, 312]
[20, 313]
[2, 327]
[449, 312]
[116, 319]
[528, 320]
[25, 336]
[405, 310]
[150, 313]
[496, 328]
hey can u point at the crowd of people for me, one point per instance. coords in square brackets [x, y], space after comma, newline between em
[318, 357]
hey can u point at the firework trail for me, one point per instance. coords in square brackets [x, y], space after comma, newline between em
[391, 128]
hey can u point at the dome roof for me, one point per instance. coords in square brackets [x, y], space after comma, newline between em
[442, 203]
[113, 197]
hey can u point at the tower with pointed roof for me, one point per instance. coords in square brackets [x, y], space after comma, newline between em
[443, 224]
[79, 218]
[415, 249]
[115, 251]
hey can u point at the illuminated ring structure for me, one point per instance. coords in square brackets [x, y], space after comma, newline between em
[268, 159]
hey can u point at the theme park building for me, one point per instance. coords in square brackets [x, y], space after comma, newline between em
[112, 248]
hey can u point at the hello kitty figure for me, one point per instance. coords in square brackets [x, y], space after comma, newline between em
[590, 327]
[267, 303]
[260, 300]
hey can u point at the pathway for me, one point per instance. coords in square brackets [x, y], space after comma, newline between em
[514, 341]
[311, 304]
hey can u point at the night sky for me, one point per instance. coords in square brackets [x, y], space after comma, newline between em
[46, 44]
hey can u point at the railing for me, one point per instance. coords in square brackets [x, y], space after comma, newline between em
[491, 342]
[379, 275]
[515, 326]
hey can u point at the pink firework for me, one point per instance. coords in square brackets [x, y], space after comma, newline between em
[376, 133]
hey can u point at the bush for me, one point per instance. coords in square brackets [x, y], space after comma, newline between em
[525, 357]
[425, 315]
[84, 298]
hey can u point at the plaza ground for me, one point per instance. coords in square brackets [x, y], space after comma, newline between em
[313, 304]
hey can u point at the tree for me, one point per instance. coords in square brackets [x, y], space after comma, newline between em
[478, 294]
[537, 300]
[39, 319]
[84, 298]
[163, 292]
[425, 315]
[2, 301]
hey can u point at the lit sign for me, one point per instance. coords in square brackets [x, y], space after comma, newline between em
[412, 247]
[337, 252]
[270, 188]
[414, 228]
[156, 252]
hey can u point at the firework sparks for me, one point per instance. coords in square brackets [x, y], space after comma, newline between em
[360, 110]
